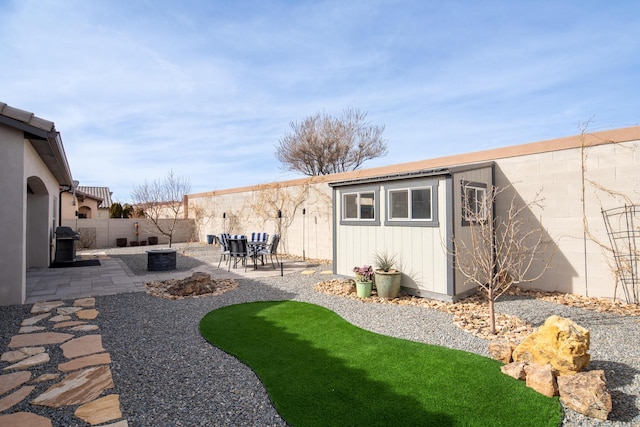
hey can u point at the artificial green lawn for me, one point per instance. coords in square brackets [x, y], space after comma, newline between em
[320, 370]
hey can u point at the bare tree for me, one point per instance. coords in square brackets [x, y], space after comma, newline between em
[500, 251]
[321, 144]
[162, 201]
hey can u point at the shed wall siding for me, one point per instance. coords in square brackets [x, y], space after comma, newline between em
[462, 233]
[419, 251]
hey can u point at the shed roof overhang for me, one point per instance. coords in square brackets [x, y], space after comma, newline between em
[43, 137]
[413, 174]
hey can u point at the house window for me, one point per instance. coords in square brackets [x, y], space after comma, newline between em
[359, 206]
[410, 204]
[474, 202]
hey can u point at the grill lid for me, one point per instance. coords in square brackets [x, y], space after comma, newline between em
[67, 233]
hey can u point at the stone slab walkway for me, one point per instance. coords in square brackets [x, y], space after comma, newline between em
[83, 381]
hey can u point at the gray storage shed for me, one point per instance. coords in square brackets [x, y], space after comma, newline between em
[412, 216]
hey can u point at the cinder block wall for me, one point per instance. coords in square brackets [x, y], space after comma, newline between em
[601, 169]
[108, 230]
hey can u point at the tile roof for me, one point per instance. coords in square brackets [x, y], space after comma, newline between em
[100, 193]
[26, 117]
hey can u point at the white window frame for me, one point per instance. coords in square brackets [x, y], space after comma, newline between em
[359, 206]
[469, 216]
[408, 185]
[409, 191]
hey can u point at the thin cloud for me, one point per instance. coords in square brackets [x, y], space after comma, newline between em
[206, 88]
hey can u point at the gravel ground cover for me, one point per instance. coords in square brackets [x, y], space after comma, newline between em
[168, 375]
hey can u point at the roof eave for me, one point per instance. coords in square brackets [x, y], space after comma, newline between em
[48, 145]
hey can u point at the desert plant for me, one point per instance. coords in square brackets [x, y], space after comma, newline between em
[384, 261]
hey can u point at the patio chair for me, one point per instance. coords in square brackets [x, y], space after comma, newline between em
[257, 242]
[224, 247]
[271, 249]
[260, 238]
[239, 251]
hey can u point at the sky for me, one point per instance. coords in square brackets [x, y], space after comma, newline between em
[206, 89]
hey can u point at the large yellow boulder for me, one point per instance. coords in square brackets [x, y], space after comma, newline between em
[559, 342]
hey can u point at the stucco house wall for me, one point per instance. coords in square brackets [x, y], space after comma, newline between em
[13, 224]
[33, 168]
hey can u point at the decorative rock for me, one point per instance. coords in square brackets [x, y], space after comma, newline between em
[83, 362]
[77, 388]
[41, 338]
[560, 342]
[85, 302]
[37, 359]
[68, 310]
[502, 350]
[586, 393]
[349, 288]
[23, 353]
[515, 370]
[123, 423]
[45, 377]
[15, 397]
[82, 346]
[29, 329]
[35, 319]
[68, 324]
[87, 314]
[60, 318]
[24, 419]
[541, 379]
[45, 307]
[85, 328]
[101, 410]
[13, 380]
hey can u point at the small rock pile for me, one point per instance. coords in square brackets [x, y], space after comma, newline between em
[195, 286]
[551, 360]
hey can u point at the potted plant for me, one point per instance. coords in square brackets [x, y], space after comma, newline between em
[388, 278]
[364, 280]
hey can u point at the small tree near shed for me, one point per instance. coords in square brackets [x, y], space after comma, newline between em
[161, 201]
[502, 250]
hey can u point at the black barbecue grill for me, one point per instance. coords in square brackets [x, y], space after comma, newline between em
[66, 244]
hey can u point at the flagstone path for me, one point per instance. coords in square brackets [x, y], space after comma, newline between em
[84, 380]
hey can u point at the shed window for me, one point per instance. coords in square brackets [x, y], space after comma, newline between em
[474, 203]
[359, 206]
[410, 204]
